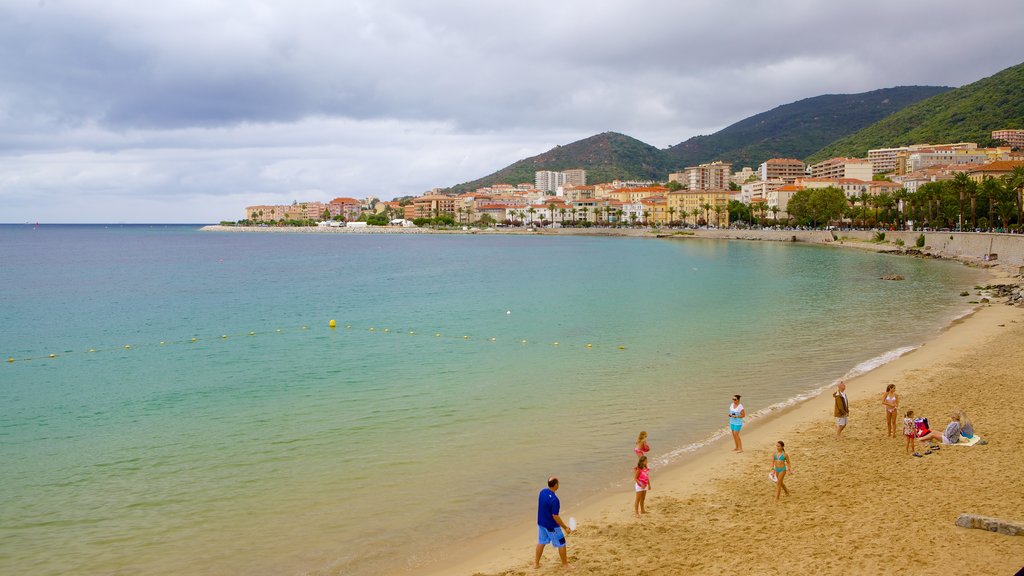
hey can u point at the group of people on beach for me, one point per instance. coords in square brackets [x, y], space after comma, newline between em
[552, 530]
[917, 430]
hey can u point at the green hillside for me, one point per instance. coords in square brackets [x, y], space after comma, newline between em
[605, 157]
[967, 114]
[798, 129]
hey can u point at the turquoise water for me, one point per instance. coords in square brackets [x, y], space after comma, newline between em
[301, 449]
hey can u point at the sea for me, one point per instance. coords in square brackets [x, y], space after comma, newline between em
[176, 401]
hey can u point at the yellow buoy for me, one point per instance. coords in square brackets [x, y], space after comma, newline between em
[493, 339]
[622, 347]
[92, 349]
[411, 332]
[251, 333]
[53, 355]
[372, 328]
[127, 346]
[162, 342]
[332, 324]
[590, 345]
[524, 341]
[438, 334]
[556, 343]
[194, 339]
[10, 359]
[223, 336]
[465, 337]
[387, 330]
[278, 330]
[305, 327]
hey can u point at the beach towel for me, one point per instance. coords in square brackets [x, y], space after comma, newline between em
[965, 442]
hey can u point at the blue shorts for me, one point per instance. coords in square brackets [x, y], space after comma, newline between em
[553, 537]
[735, 424]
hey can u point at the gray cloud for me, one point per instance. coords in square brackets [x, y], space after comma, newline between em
[200, 108]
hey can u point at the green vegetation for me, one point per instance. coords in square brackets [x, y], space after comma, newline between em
[920, 241]
[967, 114]
[816, 206]
[798, 129]
[605, 157]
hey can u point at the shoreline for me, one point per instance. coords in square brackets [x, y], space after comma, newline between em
[711, 472]
[971, 248]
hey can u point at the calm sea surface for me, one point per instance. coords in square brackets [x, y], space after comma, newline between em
[364, 450]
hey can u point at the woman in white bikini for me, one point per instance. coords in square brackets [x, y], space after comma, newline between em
[891, 401]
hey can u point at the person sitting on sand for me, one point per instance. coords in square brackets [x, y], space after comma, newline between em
[781, 464]
[642, 481]
[736, 416]
[891, 401]
[950, 436]
[641, 447]
[966, 427]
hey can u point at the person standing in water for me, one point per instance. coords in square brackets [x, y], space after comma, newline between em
[736, 416]
[641, 447]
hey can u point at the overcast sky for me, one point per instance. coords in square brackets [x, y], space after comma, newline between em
[187, 111]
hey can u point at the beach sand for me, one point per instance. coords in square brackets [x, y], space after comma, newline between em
[859, 505]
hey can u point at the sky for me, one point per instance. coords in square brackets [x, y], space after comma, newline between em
[188, 111]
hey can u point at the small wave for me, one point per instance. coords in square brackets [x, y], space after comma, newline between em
[858, 370]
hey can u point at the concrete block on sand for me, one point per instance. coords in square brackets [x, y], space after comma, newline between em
[990, 524]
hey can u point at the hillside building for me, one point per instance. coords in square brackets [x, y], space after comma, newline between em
[842, 168]
[710, 176]
[785, 169]
[549, 181]
[1013, 138]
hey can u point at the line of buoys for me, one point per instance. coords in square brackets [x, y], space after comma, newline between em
[331, 324]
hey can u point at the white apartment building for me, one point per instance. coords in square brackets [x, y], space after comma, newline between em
[709, 176]
[549, 181]
[842, 168]
[787, 169]
[759, 189]
[740, 178]
[890, 160]
[945, 157]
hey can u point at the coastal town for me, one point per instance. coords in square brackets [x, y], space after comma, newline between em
[880, 188]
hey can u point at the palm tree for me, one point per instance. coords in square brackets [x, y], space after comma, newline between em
[1017, 183]
[864, 199]
[561, 213]
[671, 214]
[551, 212]
[647, 218]
[696, 213]
[960, 184]
[718, 215]
[707, 208]
[532, 211]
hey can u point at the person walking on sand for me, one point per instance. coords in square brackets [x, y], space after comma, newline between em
[781, 464]
[642, 482]
[842, 409]
[641, 447]
[736, 416]
[550, 525]
[891, 401]
[910, 430]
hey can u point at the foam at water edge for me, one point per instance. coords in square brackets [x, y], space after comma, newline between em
[861, 368]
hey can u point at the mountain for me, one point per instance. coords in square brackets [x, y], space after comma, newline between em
[798, 129]
[605, 157]
[967, 114]
[793, 130]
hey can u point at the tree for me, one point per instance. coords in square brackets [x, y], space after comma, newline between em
[817, 205]
[551, 212]
[960, 184]
[706, 207]
[671, 214]
[674, 185]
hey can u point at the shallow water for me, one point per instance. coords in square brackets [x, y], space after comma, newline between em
[361, 452]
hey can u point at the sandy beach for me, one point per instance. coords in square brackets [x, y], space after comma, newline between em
[859, 505]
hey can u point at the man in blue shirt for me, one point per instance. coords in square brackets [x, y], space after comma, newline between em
[549, 525]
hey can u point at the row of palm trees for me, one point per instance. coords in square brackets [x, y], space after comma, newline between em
[960, 204]
[607, 215]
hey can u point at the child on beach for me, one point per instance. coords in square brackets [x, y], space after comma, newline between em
[642, 479]
[910, 430]
[641, 447]
[891, 401]
[781, 464]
